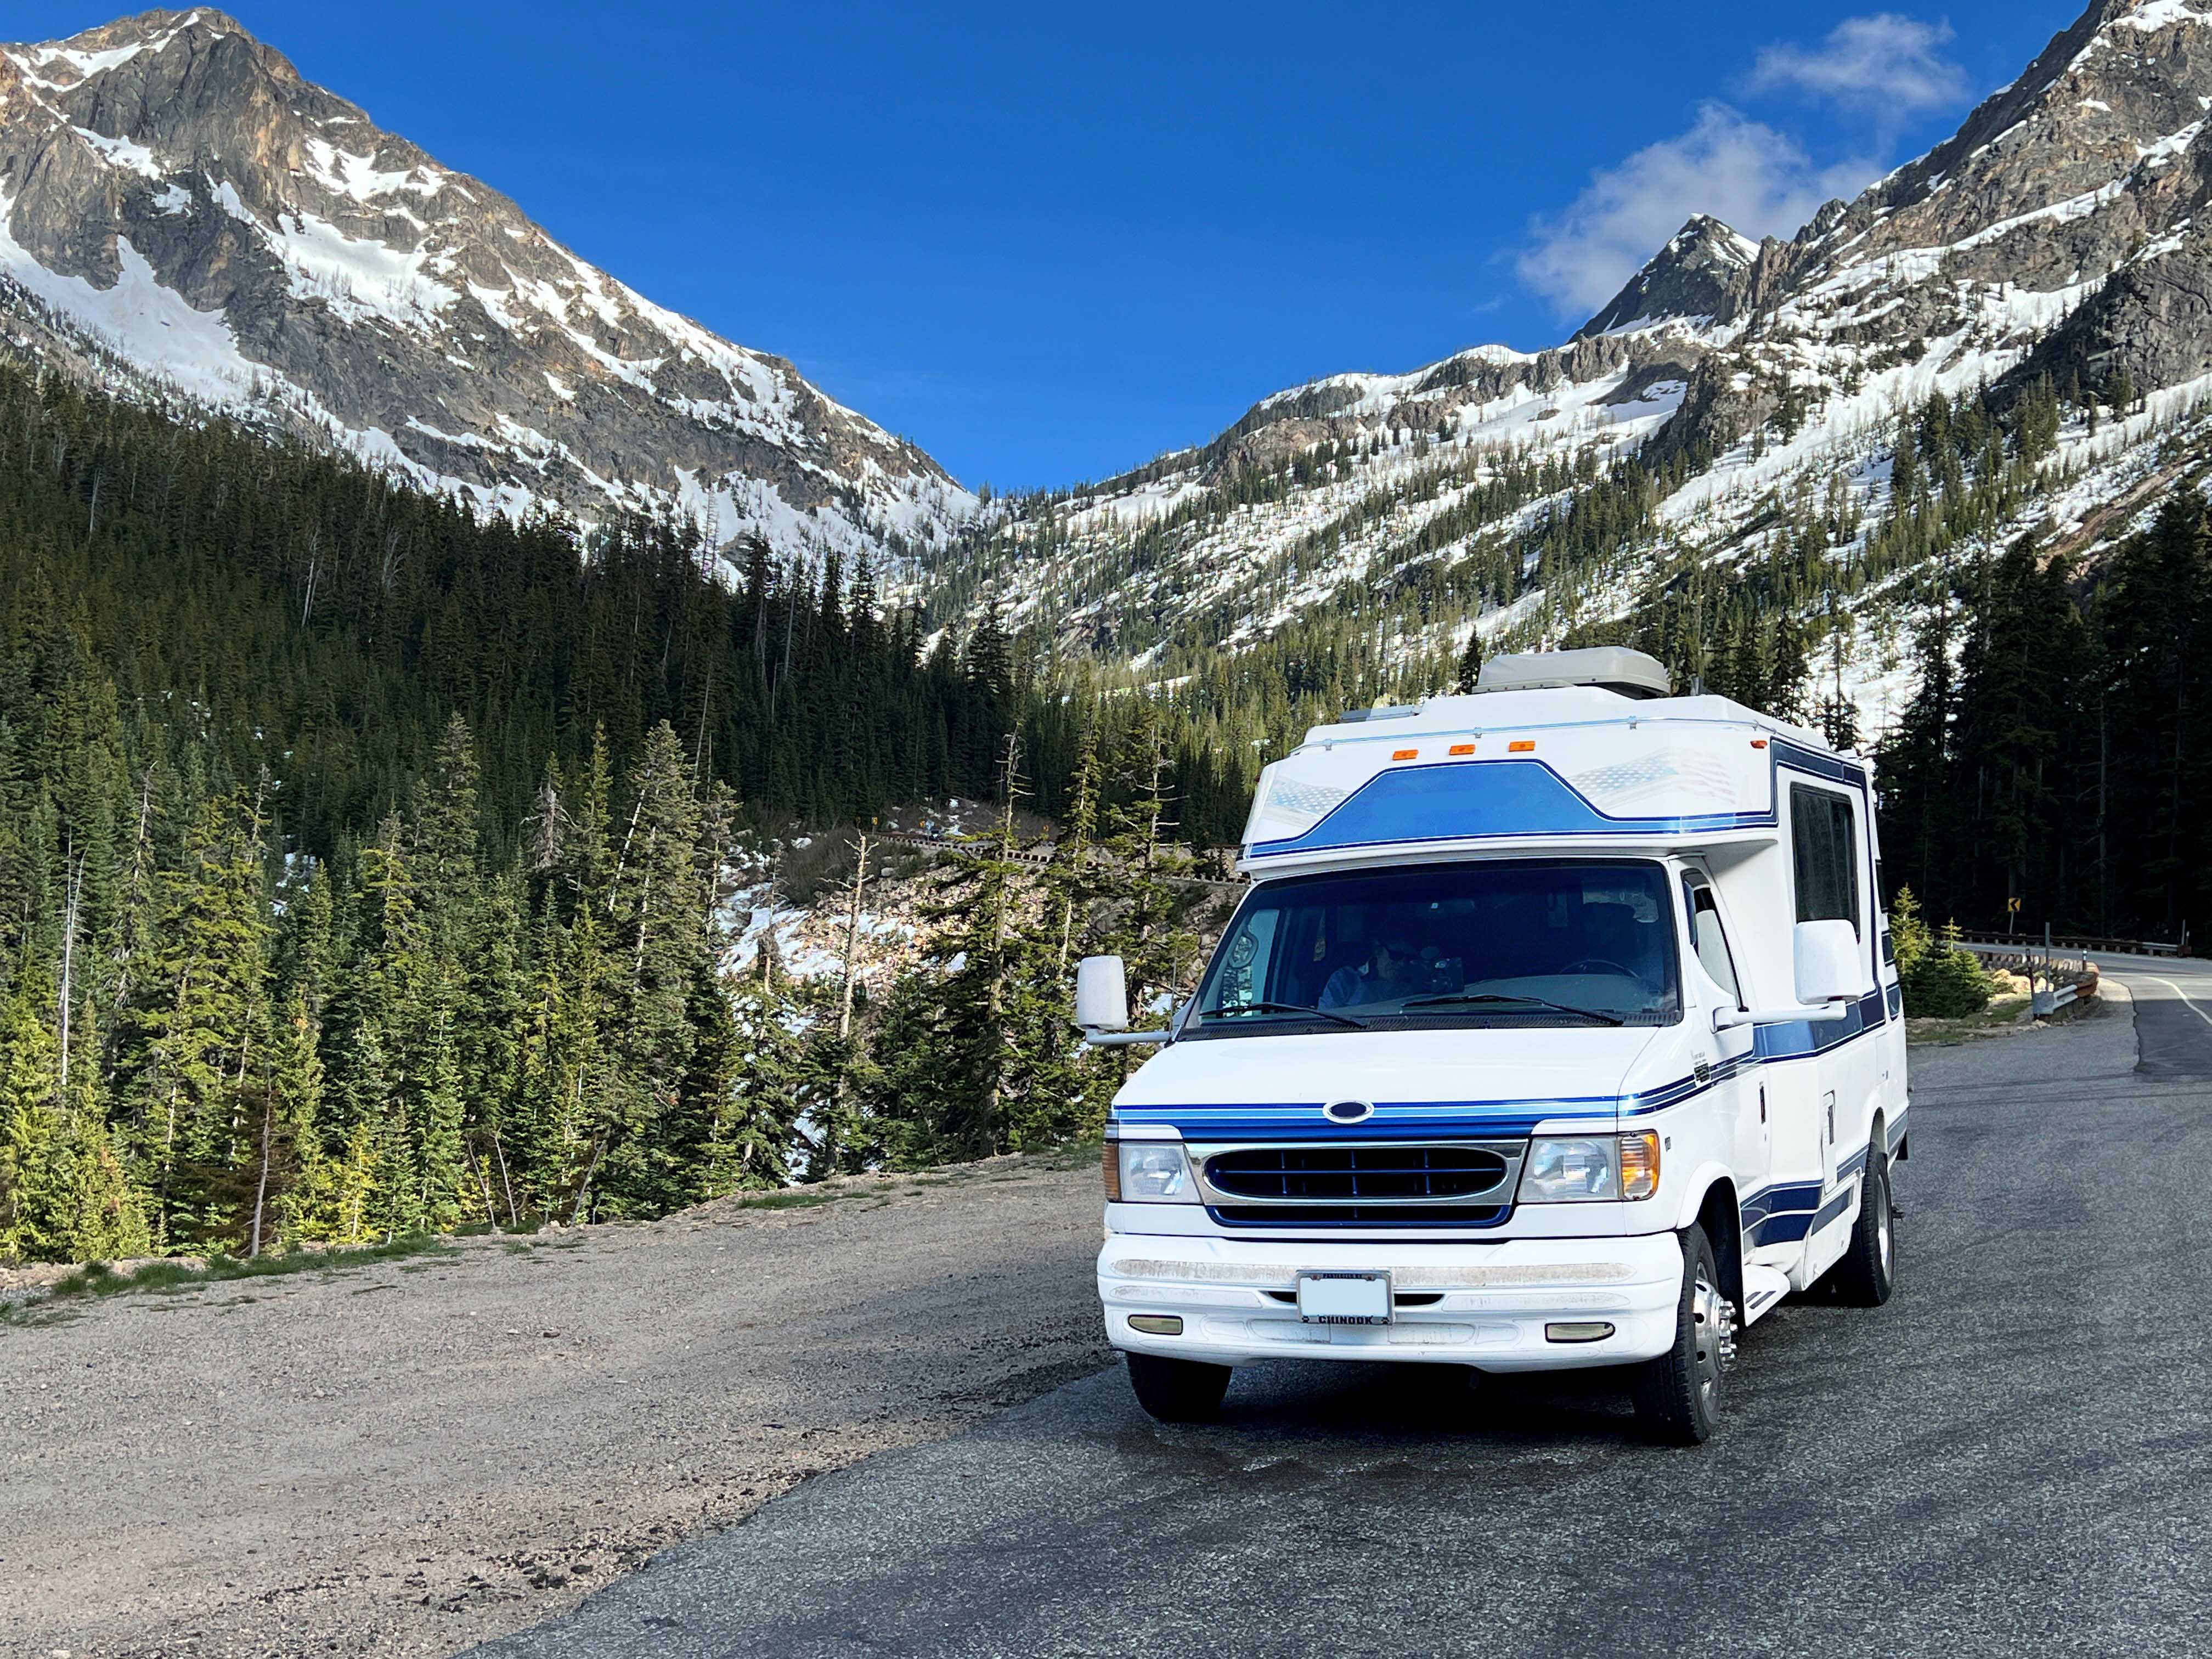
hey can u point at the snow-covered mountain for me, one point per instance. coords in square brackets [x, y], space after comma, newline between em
[2062, 232]
[181, 212]
[1695, 279]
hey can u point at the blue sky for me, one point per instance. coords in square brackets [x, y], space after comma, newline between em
[1048, 242]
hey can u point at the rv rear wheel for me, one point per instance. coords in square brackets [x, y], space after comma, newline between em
[1868, 1272]
[1678, 1394]
[1178, 1391]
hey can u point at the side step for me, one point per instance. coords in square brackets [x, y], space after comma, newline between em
[1763, 1287]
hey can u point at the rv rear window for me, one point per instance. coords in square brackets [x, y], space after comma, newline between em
[1827, 856]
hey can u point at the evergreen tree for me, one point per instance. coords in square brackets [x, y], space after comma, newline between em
[187, 1038]
[756, 1108]
[659, 893]
[37, 1174]
[1146, 862]
[281, 1128]
[2019, 674]
[2156, 618]
[1915, 761]
[1470, 663]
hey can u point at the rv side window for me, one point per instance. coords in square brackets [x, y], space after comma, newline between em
[1707, 938]
[1827, 856]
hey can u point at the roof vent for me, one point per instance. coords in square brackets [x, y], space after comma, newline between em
[1607, 667]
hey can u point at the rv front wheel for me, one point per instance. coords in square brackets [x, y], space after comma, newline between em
[1178, 1391]
[1678, 1394]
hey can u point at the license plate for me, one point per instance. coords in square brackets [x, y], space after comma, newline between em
[1344, 1298]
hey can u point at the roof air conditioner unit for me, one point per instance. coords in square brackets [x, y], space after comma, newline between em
[1607, 667]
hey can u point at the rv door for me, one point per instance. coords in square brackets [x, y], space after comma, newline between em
[1832, 879]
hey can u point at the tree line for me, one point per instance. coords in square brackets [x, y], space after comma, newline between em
[2058, 751]
[422, 1035]
[360, 859]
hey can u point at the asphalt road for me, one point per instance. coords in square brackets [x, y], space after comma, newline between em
[2014, 1456]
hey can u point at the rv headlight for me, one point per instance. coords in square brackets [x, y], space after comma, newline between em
[1154, 1172]
[1571, 1169]
[1584, 1169]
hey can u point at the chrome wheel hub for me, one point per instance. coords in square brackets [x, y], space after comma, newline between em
[1713, 1319]
[1881, 1231]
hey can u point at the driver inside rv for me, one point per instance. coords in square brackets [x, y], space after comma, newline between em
[1538, 942]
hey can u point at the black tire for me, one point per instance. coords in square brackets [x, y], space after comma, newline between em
[1678, 1394]
[1178, 1391]
[1867, 1274]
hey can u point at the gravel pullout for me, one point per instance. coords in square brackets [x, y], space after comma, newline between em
[407, 1458]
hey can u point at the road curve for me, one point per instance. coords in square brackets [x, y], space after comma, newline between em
[2012, 1457]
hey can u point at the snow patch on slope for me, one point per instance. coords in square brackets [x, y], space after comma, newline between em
[358, 277]
[145, 320]
[359, 177]
[122, 153]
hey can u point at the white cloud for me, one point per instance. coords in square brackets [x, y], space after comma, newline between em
[1740, 171]
[1885, 65]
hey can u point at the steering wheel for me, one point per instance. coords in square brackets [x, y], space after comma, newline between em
[1590, 962]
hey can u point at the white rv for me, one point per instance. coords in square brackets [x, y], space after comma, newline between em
[1560, 1028]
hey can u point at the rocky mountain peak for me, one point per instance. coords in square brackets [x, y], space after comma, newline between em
[2065, 231]
[2057, 231]
[178, 204]
[2109, 104]
[1698, 277]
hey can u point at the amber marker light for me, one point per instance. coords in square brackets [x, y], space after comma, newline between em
[1758, 743]
[1404, 754]
[1524, 746]
[1110, 1166]
[1462, 749]
[1639, 1163]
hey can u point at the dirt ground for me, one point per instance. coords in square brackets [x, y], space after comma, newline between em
[408, 1457]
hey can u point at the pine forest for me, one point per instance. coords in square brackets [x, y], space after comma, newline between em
[364, 863]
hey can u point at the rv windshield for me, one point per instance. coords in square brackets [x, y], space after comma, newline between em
[1554, 942]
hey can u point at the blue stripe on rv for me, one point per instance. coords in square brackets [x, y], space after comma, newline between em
[1487, 800]
[1479, 800]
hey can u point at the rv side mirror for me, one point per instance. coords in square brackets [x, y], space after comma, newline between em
[1830, 966]
[1102, 994]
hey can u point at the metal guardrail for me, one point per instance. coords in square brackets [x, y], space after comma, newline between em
[2130, 947]
[2054, 979]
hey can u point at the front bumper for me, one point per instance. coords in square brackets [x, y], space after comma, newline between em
[1492, 1301]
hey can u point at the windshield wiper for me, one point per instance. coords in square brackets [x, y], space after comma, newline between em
[1284, 1008]
[1529, 1002]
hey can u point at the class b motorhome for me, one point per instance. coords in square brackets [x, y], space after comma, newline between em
[1559, 1028]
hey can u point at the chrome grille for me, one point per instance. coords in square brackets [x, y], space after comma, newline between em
[1362, 1178]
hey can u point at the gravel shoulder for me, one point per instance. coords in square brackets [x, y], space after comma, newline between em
[405, 1458]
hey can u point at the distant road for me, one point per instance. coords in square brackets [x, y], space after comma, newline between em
[2015, 1457]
